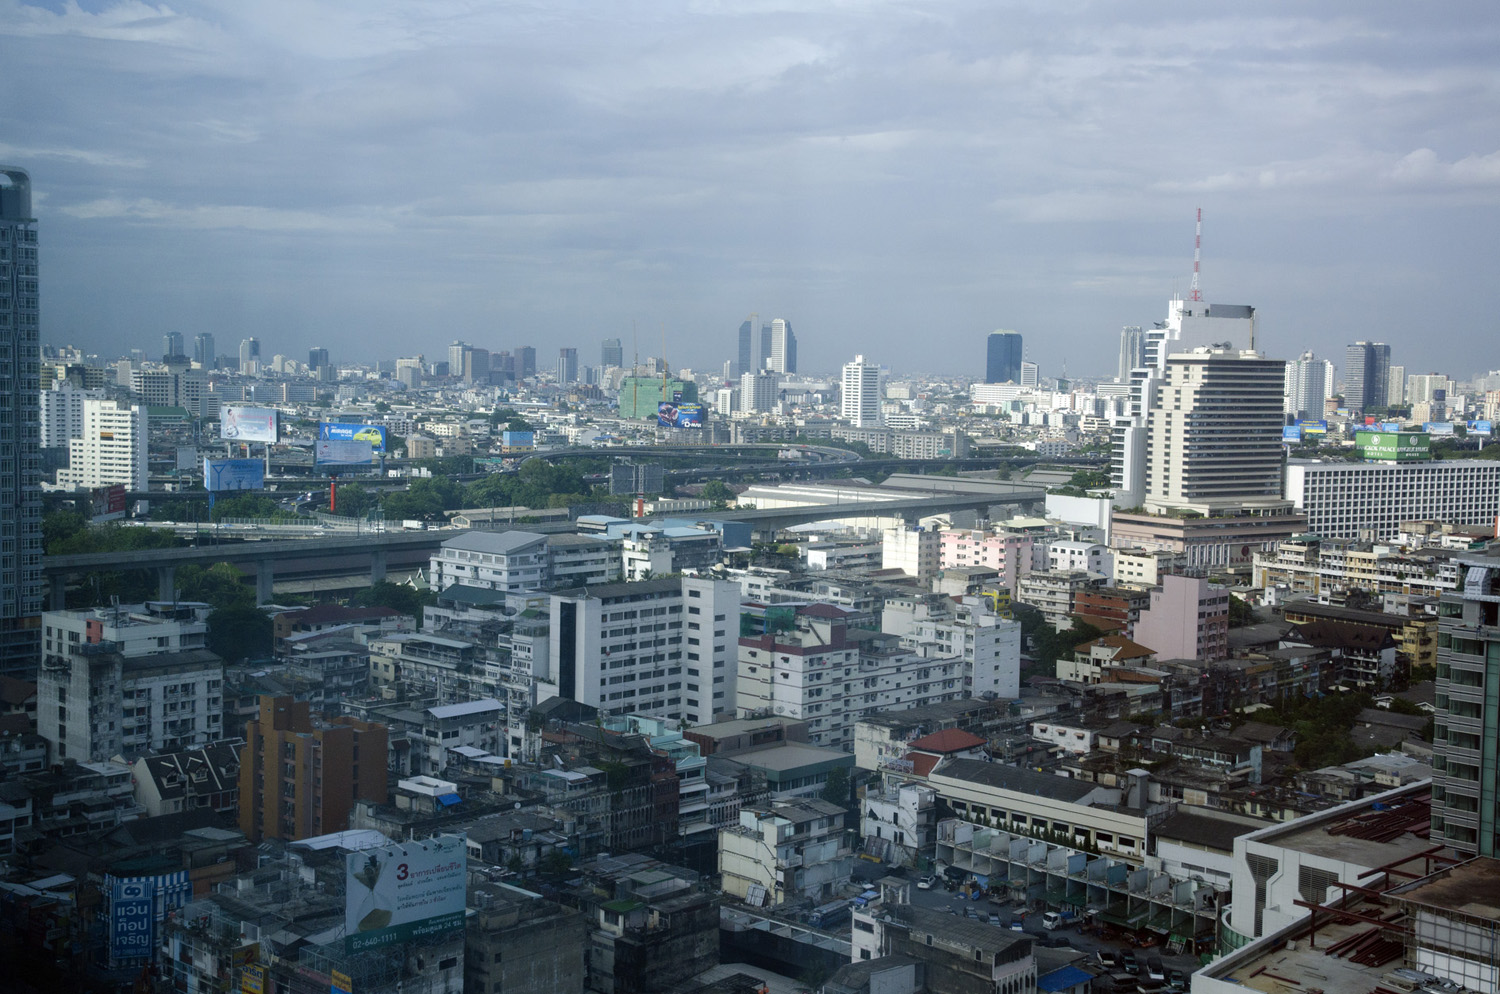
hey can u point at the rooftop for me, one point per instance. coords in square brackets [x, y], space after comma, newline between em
[1470, 888]
[1374, 831]
[482, 706]
[1015, 779]
[494, 543]
[947, 740]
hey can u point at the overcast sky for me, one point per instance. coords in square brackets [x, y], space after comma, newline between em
[897, 179]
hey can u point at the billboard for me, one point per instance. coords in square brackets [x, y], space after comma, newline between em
[404, 891]
[342, 452]
[518, 439]
[1390, 426]
[233, 474]
[1438, 427]
[1313, 426]
[1385, 446]
[339, 432]
[247, 424]
[1482, 427]
[1291, 433]
[131, 919]
[679, 415]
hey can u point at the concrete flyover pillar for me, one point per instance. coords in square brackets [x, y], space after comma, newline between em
[166, 583]
[265, 581]
[57, 592]
[377, 565]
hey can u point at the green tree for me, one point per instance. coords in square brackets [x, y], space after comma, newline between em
[60, 526]
[354, 500]
[717, 491]
[424, 499]
[248, 506]
[239, 633]
[399, 596]
[1240, 612]
[555, 864]
[220, 585]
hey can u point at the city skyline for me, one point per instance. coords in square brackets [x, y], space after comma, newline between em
[955, 173]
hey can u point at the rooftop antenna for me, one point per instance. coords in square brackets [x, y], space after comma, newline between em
[1193, 291]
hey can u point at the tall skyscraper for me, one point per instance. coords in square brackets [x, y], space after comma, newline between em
[1031, 374]
[745, 355]
[1309, 383]
[1466, 787]
[1132, 351]
[763, 349]
[1366, 375]
[783, 347]
[860, 399]
[612, 353]
[203, 350]
[20, 463]
[249, 353]
[567, 365]
[1213, 431]
[1395, 387]
[171, 345]
[317, 358]
[525, 362]
[1002, 357]
[111, 448]
[1190, 324]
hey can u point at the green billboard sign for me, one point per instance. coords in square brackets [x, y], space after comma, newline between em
[1385, 446]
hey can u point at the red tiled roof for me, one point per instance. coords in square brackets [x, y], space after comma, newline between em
[948, 740]
[822, 611]
[921, 763]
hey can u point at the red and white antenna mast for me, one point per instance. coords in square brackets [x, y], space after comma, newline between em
[1193, 292]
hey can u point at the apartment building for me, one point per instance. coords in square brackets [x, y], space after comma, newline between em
[1188, 619]
[300, 773]
[1371, 500]
[940, 627]
[661, 647]
[111, 448]
[1312, 564]
[518, 561]
[809, 663]
[784, 852]
[93, 703]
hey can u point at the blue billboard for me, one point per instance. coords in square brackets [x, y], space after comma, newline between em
[342, 452]
[131, 919]
[1390, 426]
[1291, 433]
[233, 474]
[1482, 427]
[334, 431]
[679, 415]
[1438, 427]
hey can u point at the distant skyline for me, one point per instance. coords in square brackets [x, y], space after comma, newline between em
[896, 179]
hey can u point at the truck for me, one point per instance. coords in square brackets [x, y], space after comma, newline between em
[1058, 919]
[829, 915]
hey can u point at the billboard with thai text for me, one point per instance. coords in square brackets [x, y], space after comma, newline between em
[131, 919]
[404, 891]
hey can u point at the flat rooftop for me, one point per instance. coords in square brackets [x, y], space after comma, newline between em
[1470, 888]
[1373, 831]
[1293, 966]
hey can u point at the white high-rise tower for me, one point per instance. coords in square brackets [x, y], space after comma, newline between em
[860, 402]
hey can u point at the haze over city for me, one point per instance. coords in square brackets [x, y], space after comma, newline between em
[898, 179]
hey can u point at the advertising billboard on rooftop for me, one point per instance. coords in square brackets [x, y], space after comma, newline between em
[670, 415]
[247, 424]
[339, 432]
[233, 474]
[404, 891]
